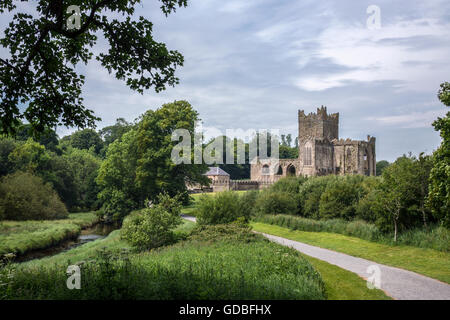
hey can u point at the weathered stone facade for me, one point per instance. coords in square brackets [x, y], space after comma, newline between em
[321, 152]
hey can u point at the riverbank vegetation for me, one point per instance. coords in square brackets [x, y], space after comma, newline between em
[215, 262]
[20, 237]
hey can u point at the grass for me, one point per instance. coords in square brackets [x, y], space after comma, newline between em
[19, 237]
[219, 262]
[429, 262]
[341, 284]
[89, 250]
[435, 237]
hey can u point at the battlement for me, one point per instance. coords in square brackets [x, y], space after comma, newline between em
[321, 114]
[320, 125]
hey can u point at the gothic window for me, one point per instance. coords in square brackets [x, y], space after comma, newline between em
[308, 156]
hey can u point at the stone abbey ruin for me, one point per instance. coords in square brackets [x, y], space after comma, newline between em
[321, 152]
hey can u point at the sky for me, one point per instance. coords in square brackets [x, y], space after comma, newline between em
[251, 64]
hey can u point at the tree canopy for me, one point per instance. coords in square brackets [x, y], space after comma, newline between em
[40, 70]
[439, 189]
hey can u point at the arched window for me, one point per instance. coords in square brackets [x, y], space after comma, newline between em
[280, 171]
[265, 170]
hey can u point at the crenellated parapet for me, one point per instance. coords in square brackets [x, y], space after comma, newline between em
[321, 114]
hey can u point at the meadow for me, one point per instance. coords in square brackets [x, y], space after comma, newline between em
[215, 262]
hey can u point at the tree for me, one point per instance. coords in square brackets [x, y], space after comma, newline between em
[84, 168]
[139, 166]
[439, 190]
[24, 196]
[7, 145]
[40, 71]
[110, 134]
[86, 139]
[399, 194]
[381, 165]
[48, 138]
[423, 167]
[153, 227]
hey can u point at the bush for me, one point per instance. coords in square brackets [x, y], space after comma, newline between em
[223, 207]
[275, 202]
[309, 195]
[153, 227]
[26, 197]
[289, 184]
[340, 198]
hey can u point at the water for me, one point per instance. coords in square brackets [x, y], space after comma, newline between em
[96, 232]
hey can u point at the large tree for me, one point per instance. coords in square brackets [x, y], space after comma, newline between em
[38, 79]
[439, 189]
[139, 166]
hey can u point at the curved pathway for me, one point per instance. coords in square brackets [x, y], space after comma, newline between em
[397, 283]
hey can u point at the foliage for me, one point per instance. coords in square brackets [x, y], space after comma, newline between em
[84, 167]
[223, 207]
[26, 197]
[139, 165]
[85, 139]
[439, 190]
[340, 198]
[289, 184]
[380, 166]
[275, 202]
[398, 202]
[43, 56]
[309, 196]
[7, 145]
[112, 133]
[153, 227]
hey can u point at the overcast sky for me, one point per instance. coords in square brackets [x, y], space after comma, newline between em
[254, 63]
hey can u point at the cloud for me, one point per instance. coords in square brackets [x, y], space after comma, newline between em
[411, 120]
[383, 55]
[253, 64]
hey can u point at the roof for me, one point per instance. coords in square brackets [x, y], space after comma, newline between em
[216, 171]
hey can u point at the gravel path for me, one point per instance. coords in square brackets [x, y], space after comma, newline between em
[397, 283]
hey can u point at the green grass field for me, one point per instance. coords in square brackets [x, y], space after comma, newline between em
[20, 237]
[429, 262]
[214, 263]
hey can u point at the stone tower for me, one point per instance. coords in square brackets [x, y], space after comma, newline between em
[318, 125]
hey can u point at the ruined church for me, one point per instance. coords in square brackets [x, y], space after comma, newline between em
[321, 152]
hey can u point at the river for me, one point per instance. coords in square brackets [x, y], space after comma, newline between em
[96, 232]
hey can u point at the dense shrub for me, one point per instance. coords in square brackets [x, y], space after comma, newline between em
[309, 195]
[289, 184]
[223, 207]
[247, 202]
[340, 197]
[153, 227]
[26, 197]
[275, 202]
